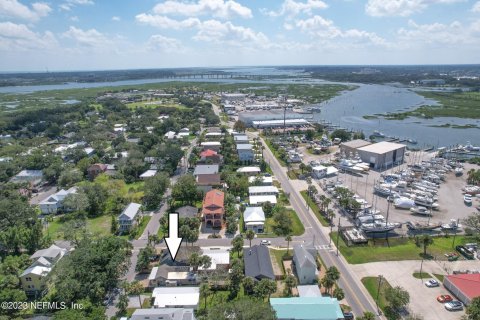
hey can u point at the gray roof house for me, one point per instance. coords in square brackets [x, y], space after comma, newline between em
[257, 263]
[243, 139]
[163, 314]
[128, 216]
[206, 169]
[304, 262]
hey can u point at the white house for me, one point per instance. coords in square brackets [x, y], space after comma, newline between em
[54, 203]
[128, 217]
[148, 174]
[245, 152]
[305, 264]
[264, 181]
[254, 219]
[249, 171]
[220, 257]
[176, 297]
[263, 190]
[170, 135]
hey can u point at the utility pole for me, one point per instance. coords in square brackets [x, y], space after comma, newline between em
[380, 277]
[338, 233]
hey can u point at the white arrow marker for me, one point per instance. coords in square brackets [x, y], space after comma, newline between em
[173, 241]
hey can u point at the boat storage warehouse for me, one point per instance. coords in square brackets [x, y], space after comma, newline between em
[383, 154]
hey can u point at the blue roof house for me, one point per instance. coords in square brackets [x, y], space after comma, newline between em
[307, 308]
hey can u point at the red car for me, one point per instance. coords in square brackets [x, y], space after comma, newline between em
[444, 298]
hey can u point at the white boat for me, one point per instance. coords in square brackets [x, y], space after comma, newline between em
[403, 203]
[424, 201]
[467, 198]
[452, 225]
[381, 190]
[421, 211]
[470, 147]
[377, 133]
[377, 227]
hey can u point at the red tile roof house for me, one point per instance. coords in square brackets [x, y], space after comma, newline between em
[213, 209]
[95, 169]
[210, 156]
[464, 286]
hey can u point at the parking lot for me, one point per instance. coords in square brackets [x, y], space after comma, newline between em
[423, 300]
[450, 195]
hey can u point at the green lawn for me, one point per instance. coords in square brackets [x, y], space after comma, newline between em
[297, 226]
[422, 275]
[440, 277]
[278, 255]
[315, 209]
[399, 249]
[98, 226]
[371, 283]
[156, 104]
[143, 224]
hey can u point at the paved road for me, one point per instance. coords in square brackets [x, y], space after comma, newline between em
[355, 293]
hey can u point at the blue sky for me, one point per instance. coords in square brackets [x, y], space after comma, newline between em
[125, 34]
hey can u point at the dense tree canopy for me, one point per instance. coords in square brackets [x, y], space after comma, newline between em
[91, 270]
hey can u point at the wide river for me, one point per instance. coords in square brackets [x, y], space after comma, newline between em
[346, 110]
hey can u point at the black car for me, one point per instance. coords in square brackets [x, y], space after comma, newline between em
[348, 316]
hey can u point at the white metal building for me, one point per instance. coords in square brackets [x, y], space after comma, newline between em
[382, 155]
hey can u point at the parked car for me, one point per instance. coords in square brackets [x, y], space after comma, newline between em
[444, 298]
[265, 242]
[454, 306]
[432, 283]
[348, 316]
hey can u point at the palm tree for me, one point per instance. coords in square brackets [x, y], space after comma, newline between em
[205, 291]
[327, 283]
[426, 241]
[250, 235]
[339, 294]
[333, 273]
[195, 261]
[288, 239]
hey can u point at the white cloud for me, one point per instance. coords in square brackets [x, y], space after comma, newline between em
[163, 22]
[88, 38]
[226, 32]
[74, 19]
[439, 34]
[476, 7]
[403, 8]
[115, 18]
[331, 35]
[291, 8]
[15, 9]
[216, 8]
[69, 4]
[20, 37]
[161, 43]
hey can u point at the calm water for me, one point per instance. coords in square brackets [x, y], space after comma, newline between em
[345, 110]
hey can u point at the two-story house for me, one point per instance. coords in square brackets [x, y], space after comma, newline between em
[213, 208]
[129, 216]
[33, 279]
[54, 203]
[245, 152]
